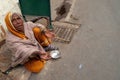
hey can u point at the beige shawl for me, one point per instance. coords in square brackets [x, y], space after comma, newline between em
[23, 48]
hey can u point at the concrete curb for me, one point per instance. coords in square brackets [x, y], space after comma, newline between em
[62, 10]
[71, 11]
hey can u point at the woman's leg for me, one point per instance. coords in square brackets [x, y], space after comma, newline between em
[43, 40]
[40, 37]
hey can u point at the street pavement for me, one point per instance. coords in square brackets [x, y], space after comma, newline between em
[93, 53]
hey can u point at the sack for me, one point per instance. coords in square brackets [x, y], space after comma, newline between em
[34, 65]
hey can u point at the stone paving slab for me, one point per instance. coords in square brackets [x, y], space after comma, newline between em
[19, 73]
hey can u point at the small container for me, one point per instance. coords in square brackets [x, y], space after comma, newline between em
[55, 54]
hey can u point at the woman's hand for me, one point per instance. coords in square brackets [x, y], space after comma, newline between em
[45, 56]
[49, 34]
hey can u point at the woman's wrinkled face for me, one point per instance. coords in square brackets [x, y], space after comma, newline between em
[17, 22]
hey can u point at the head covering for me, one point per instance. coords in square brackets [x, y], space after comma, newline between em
[11, 27]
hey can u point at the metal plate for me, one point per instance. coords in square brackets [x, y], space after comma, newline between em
[55, 54]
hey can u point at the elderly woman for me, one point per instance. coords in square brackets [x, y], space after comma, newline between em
[26, 41]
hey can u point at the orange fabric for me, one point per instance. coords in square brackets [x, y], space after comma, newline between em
[35, 65]
[40, 37]
[11, 28]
